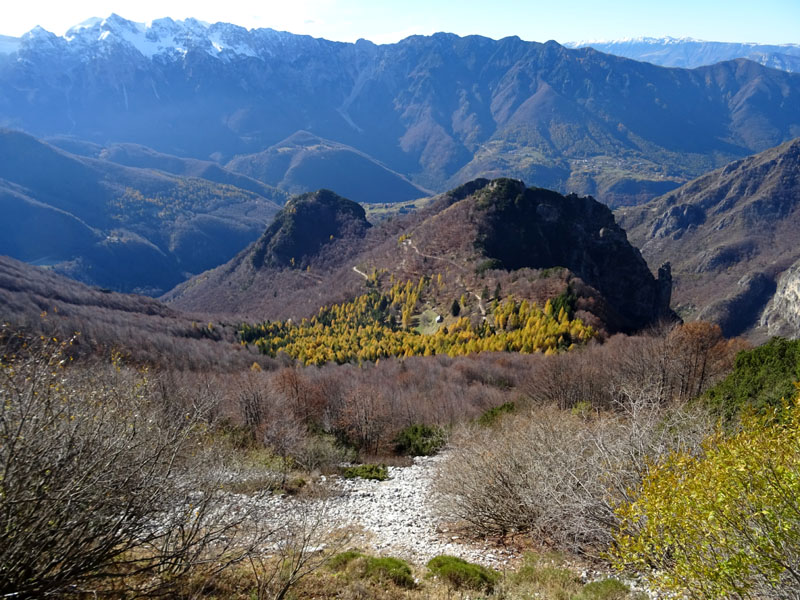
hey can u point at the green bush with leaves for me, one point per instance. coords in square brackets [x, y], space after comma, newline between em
[461, 574]
[369, 471]
[392, 569]
[491, 416]
[726, 523]
[420, 440]
[566, 300]
[761, 377]
[340, 561]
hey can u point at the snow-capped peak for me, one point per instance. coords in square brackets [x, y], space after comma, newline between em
[162, 36]
[666, 40]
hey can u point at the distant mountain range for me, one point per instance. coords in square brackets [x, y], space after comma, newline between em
[122, 227]
[427, 113]
[733, 238]
[691, 53]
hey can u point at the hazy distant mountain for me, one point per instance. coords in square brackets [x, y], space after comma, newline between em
[120, 227]
[437, 110]
[9, 44]
[303, 162]
[690, 53]
[732, 237]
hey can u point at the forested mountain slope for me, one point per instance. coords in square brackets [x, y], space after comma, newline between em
[438, 110]
[471, 247]
[124, 228]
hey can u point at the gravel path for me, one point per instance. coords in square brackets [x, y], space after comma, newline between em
[397, 517]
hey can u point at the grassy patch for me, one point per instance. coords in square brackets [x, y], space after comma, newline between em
[427, 322]
[387, 568]
[460, 574]
[377, 212]
[369, 471]
[605, 589]
[546, 578]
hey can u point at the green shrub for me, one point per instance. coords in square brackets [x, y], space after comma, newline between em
[605, 589]
[566, 300]
[420, 440]
[761, 377]
[461, 574]
[491, 416]
[549, 577]
[550, 272]
[340, 561]
[391, 569]
[487, 265]
[368, 471]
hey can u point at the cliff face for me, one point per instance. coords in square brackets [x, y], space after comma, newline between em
[729, 236]
[536, 228]
[782, 314]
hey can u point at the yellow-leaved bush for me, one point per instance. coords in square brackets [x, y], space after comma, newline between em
[725, 523]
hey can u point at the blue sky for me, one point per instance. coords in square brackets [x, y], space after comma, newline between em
[764, 21]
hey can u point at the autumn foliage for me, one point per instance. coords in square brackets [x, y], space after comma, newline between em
[725, 523]
[378, 325]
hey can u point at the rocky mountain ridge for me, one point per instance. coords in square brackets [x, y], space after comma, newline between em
[438, 110]
[730, 235]
[486, 235]
[691, 53]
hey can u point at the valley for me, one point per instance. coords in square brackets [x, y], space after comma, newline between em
[449, 317]
[425, 114]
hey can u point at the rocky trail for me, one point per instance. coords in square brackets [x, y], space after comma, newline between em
[397, 517]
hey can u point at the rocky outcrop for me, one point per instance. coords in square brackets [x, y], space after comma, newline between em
[728, 235]
[537, 228]
[304, 226]
[782, 314]
[739, 311]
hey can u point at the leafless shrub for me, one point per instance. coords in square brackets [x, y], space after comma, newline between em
[557, 475]
[678, 363]
[100, 481]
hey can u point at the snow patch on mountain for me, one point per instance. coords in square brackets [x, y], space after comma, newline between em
[161, 37]
[690, 52]
[633, 40]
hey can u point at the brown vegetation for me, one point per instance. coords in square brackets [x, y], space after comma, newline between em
[592, 424]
